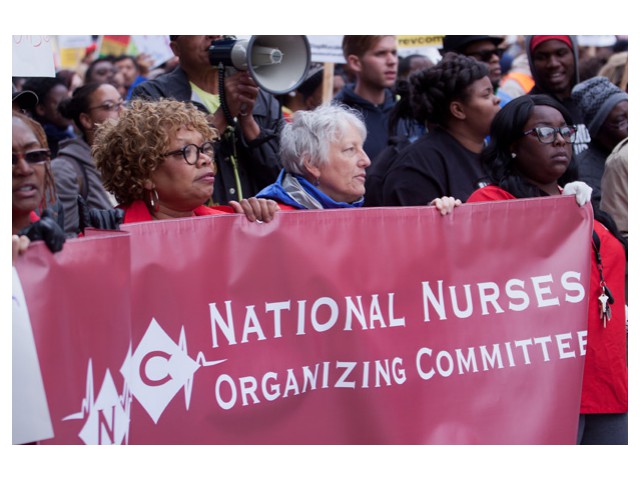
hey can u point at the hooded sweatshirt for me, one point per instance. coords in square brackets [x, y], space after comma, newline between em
[582, 137]
[376, 117]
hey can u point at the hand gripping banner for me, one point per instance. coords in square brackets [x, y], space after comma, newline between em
[359, 326]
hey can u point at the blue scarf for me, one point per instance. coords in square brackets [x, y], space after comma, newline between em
[297, 192]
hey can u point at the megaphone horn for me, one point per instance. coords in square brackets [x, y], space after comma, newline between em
[277, 63]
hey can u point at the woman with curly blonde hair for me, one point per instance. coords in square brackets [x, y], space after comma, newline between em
[157, 160]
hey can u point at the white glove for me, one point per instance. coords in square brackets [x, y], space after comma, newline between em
[445, 205]
[581, 190]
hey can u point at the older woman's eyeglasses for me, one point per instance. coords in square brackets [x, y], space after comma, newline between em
[109, 106]
[32, 158]
[548, 134]
[191, 152]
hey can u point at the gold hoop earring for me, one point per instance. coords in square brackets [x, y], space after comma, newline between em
[152, 200]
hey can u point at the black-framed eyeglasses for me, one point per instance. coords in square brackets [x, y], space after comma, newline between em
[486, 55]
[33, 157]
[191, 152]
[548, 134]
[109, 106]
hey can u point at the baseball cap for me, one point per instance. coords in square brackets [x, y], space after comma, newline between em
[26, 98]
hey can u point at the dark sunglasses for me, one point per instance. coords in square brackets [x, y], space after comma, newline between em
[486, 55]
[32, 158]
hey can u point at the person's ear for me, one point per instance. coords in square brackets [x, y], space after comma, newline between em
[513, 150]
[148, 184]
[456, 109]
[86, 122]
[175, 47]
[313, 170]
[355, 65]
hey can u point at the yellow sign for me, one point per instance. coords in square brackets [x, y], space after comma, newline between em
[416, 41]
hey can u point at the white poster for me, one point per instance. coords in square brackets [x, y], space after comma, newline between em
[32, 56]
[157, 46]
[326, 48]
[31, 419]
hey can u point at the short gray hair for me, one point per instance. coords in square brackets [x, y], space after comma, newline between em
[311, 132]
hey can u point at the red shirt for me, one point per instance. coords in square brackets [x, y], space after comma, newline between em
[604, 385]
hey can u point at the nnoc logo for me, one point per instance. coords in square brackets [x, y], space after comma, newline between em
[154, 373]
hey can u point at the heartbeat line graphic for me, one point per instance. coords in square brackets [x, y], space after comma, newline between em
[200, 360]
[153, 374]
[88, 402]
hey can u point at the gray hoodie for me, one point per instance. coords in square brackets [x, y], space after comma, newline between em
[75, 173]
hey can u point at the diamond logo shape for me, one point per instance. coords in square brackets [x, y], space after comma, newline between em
[157, 370]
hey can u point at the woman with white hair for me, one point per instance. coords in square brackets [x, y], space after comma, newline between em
[324, 162]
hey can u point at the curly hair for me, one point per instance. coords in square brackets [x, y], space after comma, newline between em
[507, 128]
[434, 88]
[50, 195]
[127, 151]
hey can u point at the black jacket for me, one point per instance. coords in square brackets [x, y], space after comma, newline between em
[258, 161]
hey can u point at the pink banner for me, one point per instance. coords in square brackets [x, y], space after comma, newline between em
[366, 326]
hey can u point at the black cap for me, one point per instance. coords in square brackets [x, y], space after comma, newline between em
[457, 43]
[26, 99]
[312, 80]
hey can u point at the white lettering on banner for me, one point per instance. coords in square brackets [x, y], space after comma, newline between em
[339, 374]
[489, 293]
[157, 362]
[446, 363]
[323, 314]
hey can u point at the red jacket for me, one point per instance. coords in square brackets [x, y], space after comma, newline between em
[604, 385]
[138, 212]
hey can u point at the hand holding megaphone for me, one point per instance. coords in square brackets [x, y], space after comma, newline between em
[241, 93]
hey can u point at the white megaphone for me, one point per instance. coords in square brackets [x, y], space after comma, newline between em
[277, 63]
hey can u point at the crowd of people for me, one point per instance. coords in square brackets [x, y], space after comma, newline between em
[490, 120]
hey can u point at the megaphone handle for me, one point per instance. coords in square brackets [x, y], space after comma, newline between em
[223, 101]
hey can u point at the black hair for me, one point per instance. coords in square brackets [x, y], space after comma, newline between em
[403, 107]
[434, 88]
[42, 86]
[506, 128]
[79, 103]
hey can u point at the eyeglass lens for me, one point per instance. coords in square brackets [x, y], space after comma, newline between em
[190, 152]
[548, 134]
[33, 157]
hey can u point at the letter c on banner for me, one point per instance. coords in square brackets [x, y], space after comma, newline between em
[424, 375]
[143, 369]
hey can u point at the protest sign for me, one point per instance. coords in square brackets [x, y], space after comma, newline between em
[358, 326]
[32, 56]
